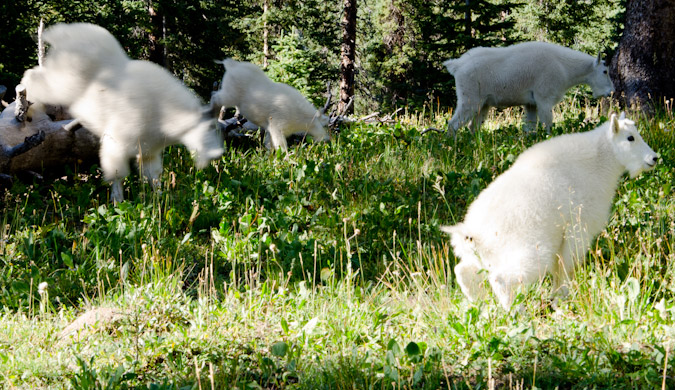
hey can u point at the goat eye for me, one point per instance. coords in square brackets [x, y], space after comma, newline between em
[631, 138]
[604, 71]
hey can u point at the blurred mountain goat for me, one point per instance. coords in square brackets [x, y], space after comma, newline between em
[535, 75]
[540, 215]
[136, 108]
[279, 108]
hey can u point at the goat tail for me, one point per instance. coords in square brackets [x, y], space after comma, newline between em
[451, 65]
[224, 62]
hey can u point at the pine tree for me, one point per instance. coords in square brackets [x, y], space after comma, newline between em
[416, 36]
[589, 26]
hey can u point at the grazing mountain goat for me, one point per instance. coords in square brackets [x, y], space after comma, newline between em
[277, 107]
[135, 107]
[540, 215]
[532, 74]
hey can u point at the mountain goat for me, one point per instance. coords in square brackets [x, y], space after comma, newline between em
[136, 108]
[277, 107]
[532, 74]
[540, 215]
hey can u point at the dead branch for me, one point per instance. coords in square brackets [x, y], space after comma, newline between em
[28, 143]
[370, 116]
[41, 44]
[329, 94]
[390, 117]
[346, 108]
[238, 131]
[431, 129]
[234, 123]
[22, 104]
[337, 118]
[376, 118]
[8, 152]
[73, 125]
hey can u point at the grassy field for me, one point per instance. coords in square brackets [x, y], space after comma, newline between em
[325, 269]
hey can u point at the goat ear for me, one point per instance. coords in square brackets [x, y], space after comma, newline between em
[614, 124]
[622, 115]
[447, 229]
[452, 229]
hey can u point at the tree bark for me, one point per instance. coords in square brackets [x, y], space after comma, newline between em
[467, 18]
[642, 69]
[347, 68]
[157, 50]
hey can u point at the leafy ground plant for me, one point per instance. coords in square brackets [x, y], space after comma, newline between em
[325, 268]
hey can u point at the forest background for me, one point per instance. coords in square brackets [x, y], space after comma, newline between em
[400, 44]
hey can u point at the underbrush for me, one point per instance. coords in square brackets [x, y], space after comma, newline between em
[325, 268]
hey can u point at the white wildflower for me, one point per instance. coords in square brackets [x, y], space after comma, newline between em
[42, 288]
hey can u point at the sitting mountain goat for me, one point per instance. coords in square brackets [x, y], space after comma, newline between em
[136, 108]
[532, 74]
[540, 215]
[279, 108]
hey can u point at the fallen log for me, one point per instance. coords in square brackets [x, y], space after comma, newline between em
[43, 145]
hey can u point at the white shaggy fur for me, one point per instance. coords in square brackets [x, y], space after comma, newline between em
[532, 74]
[540, 215]
[135, 107]
[277, 107]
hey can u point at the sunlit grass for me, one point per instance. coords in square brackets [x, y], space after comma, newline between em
[325, 268]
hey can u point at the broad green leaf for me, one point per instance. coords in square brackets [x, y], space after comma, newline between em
[280, 348]
[412, 349]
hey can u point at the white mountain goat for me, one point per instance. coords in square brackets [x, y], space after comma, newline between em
[135, 107]
[540, 215]
[279, 108]
[530, 74]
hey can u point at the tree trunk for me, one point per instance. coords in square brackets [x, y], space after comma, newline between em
[157, 49]
[467, 19]
[643, 66]
[347, 69]
[266, 33]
